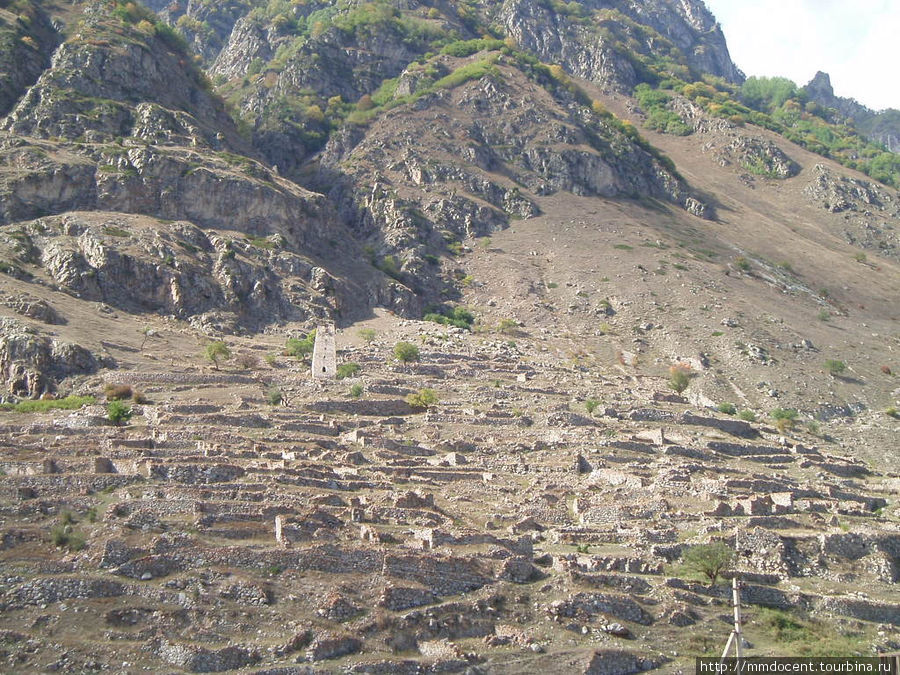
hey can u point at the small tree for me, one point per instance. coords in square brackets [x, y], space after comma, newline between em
[217, 350]
[300, 348]
[118, 412]
[680, 377]
[405, 352]
[784, 418]
[710, 560]
[424, 398]
[834, 367]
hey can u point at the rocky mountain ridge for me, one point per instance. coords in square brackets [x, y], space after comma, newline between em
[881, 126]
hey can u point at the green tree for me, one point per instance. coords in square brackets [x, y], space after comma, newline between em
[710, 560]
[118, 412]
[217, 350]
[405, 352]
[424, 398]
[300, 348]
[768, 93]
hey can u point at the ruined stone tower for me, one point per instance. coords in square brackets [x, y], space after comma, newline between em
[324, 361]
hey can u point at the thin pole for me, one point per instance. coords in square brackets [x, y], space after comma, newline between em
[736, 601]
[735, 637]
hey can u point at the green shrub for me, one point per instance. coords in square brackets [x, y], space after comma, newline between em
[274, 396]
[367, 334]
[118, 412]
[727, 408]
[405, 352]
[117, 392]
[680, 377]
[747, 415]
[424, 398]
[710, 560]
[460, 317]
[217, 350]
[508, 326]
[347, 370]
[742, 263]
[784, 418]
[892, 412]
[356, 390]
[834, 367]
[591, 405]
[63, 536]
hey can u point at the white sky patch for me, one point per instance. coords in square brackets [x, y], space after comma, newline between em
[857, 42]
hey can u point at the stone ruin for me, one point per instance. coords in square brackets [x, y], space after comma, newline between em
[324, 361]
[363, 536]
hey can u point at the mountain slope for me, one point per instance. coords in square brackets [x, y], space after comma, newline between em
[643, 321]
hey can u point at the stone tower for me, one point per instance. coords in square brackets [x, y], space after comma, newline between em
[324, 361]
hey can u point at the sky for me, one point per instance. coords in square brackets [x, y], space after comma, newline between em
[857, 42]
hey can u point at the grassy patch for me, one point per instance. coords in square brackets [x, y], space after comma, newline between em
[802, 636]
[67, 403]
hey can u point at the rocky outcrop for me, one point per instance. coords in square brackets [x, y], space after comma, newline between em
[142, 265]
[33, 308]
[589, 45]
[28, 39]
[869, 212]
[842, 193]
[248, 42]
[30, 363]
[92, 85]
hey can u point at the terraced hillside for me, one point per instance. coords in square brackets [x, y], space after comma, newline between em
[655, 319]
